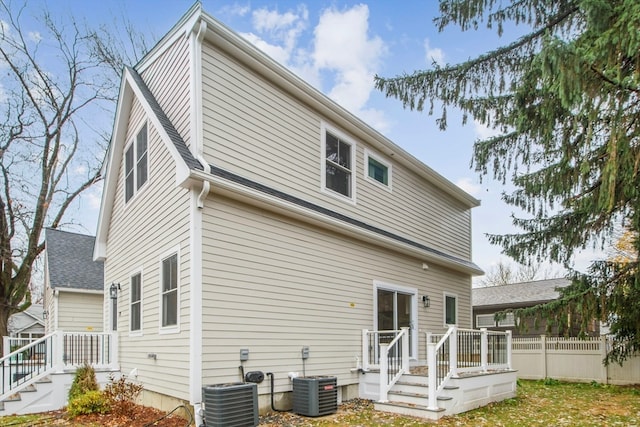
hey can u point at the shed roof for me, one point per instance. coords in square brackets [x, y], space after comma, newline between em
[518, 293]
[70, 261]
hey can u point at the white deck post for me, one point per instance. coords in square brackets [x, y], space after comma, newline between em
[113, 356]
[484, 349]
[57, 342]
[365, 350]
[405, 350]
[433, 375]
[453, 351]
[509, 349]
[384, 370]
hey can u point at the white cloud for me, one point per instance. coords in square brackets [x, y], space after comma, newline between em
[279, 53]
[342, 51]
[468, 185]
[343, 46]
[235, 10]
[484, 132]
[433, 54]
[34, 36]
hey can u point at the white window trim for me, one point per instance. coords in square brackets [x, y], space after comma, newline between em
[414, 309]
[131, 143]
[324, 128]
[370, 154]
[139, 332]
[478, 316]
[505, 323]
[173, 329]
[444, 308]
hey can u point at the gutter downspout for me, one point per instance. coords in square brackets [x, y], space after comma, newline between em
[196, 35]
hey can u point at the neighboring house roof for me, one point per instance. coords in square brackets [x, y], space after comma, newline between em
[26, 319]
[70, 261]
[518, 294]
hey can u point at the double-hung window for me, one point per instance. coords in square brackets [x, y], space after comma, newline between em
[338, 164]
[136, 164]
[135, 315]
[169, 291]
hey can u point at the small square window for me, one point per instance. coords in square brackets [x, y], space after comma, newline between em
[377, 170]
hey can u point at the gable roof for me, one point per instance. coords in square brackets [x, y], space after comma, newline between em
[192, 168]
[70, 261]
[518, 294]
[29, 318]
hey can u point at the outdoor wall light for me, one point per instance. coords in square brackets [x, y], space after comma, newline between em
[113, 290]
[426, 301]
[45, 314]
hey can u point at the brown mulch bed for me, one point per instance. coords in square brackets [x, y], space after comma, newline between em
[141, 416]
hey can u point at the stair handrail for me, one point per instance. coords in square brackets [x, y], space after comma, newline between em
[389, 376]
[16, 373]
[436, 379]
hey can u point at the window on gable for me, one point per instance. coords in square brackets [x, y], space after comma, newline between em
[135, 321]
[170, 291]
[136, 164]
[338, 165]
[377, 170]
[450, 309]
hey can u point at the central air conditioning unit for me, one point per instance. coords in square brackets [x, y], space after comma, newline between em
[230, 405]
[315, 396]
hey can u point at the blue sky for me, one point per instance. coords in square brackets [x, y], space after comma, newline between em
[338, 46]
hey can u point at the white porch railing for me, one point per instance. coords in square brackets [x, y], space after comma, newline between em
[464, 350]
[394, 362]
[55, 352]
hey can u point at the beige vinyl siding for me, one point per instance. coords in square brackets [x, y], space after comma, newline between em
[141, 232]
[173, 94]
[79, 312]
[259, 131]
[273, 285]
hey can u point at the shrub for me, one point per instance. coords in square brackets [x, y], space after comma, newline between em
[91, 402]
[121, 395]
[83, 382]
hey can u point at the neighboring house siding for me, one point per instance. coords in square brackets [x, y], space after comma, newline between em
[77, 312]
[172, 93]
[257, 130]
[273, 285]
[152, 223]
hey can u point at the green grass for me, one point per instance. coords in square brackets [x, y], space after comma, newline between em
[538, 403]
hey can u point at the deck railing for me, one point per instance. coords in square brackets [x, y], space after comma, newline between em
[55, 352]
[371, 341]
[394, 362]
[464, 350]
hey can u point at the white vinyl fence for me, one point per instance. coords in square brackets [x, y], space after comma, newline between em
[570, 359]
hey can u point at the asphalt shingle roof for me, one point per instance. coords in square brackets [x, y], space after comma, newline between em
[518, 293]
[70, 261]
[175, 137]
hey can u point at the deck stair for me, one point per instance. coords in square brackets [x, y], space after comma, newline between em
[409, 396]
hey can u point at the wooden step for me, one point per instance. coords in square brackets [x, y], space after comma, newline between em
[412, 410]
